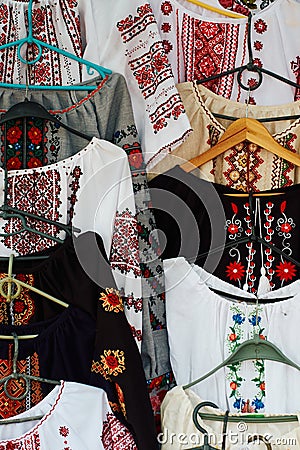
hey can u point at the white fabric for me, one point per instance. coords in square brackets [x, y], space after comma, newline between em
[76, 417]
[203, 328]
[276, 28]
[94, 186]
[158, 110]
[177, 412]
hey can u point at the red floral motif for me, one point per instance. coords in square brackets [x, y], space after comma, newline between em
[125, 23]
[207, 66]
[159, 61]
[232, 337]
[233, 229]
[34, 162]
[262, 386]
[74, 186]
[285, 227]
[257, 62]
[251, 100]
[135, 158]
[285, 271]
[258, 45]
[159, 125]
[64, 431]
[13, 163]
[209, 29]
[167, 46]
[137, 334]
[166, 8]
[260, 26]
[235, 270]
[3, 14]
[252, 82]
[13, 134]
[177, 111]
[39, 19]
[41, 72]
[35, 135]
[165, 27]
[144, 10]
[72, 3]
[233, 386]
[144, 76]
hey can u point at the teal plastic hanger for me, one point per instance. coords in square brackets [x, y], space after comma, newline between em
[255, 348]
[29, 39]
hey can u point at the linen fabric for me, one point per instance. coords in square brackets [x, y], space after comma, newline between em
[205, 327]
[74, 415]
[261, 170]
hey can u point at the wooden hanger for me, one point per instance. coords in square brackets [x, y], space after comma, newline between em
[243, 129]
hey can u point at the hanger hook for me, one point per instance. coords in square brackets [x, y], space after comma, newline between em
[195, 415]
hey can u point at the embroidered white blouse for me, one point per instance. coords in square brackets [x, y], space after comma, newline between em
[204, 327]
[75, 416]
[93, 191]
[200, 43]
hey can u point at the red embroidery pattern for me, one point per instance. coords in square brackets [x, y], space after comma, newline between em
[29, 442]
[64, 432]
[137, 334]
[115, 436]
[260, 26]
[125, 246]
[21, 308]
[243, 163]
[74, 186]
[209, 49]
[166, 8]
[152, 68]
[37, 193]
[295, 66]
[8, 407]
[281, 168]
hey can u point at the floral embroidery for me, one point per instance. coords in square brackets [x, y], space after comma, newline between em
[34, 162]
[295, 66]
[74, 186]
[13, 163]
[115, 435]
[131, 302]
[111, 300]
[167, 46]
[235, 270]
[257, 62]
[166, 8]
[113, 362]
[64, 431]
[258, 45]
[166, 27]
[121, 399]
[260, 26]
[13, 134]
[125, 246]
[137, 334]
[30, 441]
[285, 270]
[252, 82]
[135, 157]
[35, 135]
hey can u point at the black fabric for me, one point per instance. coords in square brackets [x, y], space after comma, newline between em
[195, 216]
[70, 339]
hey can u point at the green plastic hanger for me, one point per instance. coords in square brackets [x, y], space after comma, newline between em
[255, 348]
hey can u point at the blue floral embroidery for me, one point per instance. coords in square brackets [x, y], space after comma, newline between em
[258, 403]
[237, 318]
[237, 403]
[253, 321]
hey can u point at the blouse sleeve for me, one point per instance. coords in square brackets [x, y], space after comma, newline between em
[126, 40]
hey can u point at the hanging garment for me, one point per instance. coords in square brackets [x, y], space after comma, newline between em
[106, 113]
[93, 191]
[262, 170]
[89, 342]
[197, 216]
[204, 327]
[177, 413]
[94, 31]
[75, 416]
[200, 44]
